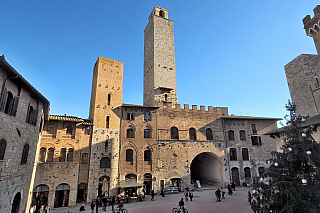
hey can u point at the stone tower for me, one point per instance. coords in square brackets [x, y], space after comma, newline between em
[312, 27]
[159, 60]
[303, 73]
[106, 97]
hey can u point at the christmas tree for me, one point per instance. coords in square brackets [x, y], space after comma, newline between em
[292, 182]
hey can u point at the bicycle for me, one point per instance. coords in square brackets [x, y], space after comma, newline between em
[120, 210]
[179, 210]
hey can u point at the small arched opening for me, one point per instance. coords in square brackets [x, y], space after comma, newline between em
[62, 195]
[40, 195]
[16, 203]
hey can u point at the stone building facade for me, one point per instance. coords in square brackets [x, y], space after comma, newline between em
[63, 162]
[22, 112]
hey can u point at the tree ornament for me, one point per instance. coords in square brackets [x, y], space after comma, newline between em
[308, 152]
[303, 134]
[282, 141]
[261, 179]
[303, 120]
[289, 149]
[276, 164]
[304, 181]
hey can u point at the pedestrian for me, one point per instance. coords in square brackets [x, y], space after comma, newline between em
[233, 186]
[82, 208]
[113, 200]
[229, 190]
[97, 205]
[186, 194]
[162, 192]
[42, 209]
[152, 194]
[255, 206]
[48, 208]
[249, 197]
[92, 206]
[218, 195]
[190, 195]
[222, 193]
[33, 209]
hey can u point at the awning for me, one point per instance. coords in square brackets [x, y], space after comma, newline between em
[130, 184]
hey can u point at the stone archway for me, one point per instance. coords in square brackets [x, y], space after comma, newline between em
[206, 167]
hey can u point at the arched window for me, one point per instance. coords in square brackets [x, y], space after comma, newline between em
[165, 97]
[16, 203]
[147, 155]
[130, 133]
[30, 115]
[147, 116]
[161, 13]
[209, 134]
[247, 173]
[233, 154]
[50, 155]
[9, 103]
[129, 155]
[70, 155]
[231, 135]
[174, 133]
[50, 129]
[245, 154]
[261, 171]
[42, 154]
[69, 130]
[131, 178]
[242, 135]
[192, 134]
[25, 153]
[62, 157]
[3, 145]
[105, 162]
[107, 121]
[62, 195]
[147, 133]
[109, 99]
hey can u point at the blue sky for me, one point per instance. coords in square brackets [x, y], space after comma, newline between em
[228, 53]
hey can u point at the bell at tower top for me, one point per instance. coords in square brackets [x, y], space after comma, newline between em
[158, 11]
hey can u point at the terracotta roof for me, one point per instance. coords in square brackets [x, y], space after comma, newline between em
[71, 119]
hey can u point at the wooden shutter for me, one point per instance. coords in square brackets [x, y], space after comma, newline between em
[3, 99]
[35, 117]
[15, 105]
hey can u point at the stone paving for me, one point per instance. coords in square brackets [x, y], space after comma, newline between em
[204, 201]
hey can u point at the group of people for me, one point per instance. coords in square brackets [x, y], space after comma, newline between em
[42, 209]
[188, 193]
[220, 194]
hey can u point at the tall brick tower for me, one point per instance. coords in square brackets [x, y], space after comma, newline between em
[106, 97]
[312, 27]
[159, 60]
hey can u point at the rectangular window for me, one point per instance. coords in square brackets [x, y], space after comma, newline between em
[130, 116]
[147, 117]
[256, 140]
[84, 158]
[254, 128]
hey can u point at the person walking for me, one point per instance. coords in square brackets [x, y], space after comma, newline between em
[218, 195]
[33, 209]
[152, 195]
[222, 193]
[82, 208]
[113, 200]
[233, 186]
[229, 190]
[186, 194]
[92, 206]
[249, 197]
[97, 205]
[162, 192]
[190, 195]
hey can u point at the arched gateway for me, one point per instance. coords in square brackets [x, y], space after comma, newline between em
[207, 168]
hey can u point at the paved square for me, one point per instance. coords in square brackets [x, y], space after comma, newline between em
[204, 201]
